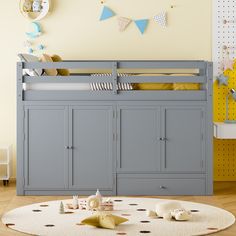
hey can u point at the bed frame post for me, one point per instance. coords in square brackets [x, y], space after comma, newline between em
[209, 127]
[20, 130]
[114, 76]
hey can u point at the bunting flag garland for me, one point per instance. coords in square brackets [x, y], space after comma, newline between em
[161, 19]
[123, 23]
[106, 13]
[141, 24]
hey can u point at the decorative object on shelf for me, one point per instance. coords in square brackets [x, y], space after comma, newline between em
[75, 203]
[106, 13]
[99, 195]
[222, 79]
[142, 25]
[103, 220]
[161, 19]
[34, 10]
[151, 214]
[232, 93]
[37, 31]
[27, 6]
[61, 210]
[123, 23]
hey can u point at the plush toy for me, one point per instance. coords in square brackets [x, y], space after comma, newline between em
[93, 202]
[36, 6]
[170, 210]
[181, 215]
[164, 209]
[27, 6]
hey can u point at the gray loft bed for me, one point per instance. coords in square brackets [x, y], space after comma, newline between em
[135, 142]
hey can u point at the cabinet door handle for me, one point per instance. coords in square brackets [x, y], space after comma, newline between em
[163, 139]
[71, 147]
[162, 187]
[67, 147]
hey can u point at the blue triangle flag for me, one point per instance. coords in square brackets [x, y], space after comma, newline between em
[106, 13]
[141, 24]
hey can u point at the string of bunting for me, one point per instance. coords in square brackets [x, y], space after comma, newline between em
[141, 24]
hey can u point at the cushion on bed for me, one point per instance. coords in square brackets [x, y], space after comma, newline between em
[153, 86]
[185, 86]
[63, 72]
[30, 58]
[50, 72]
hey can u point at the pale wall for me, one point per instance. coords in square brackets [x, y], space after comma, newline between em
[73, 31]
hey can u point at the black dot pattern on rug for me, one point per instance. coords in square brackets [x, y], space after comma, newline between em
[118, 200]
[43, 205]
[145, 232]
[49, 225]
[212, 228]
[69, 212]
[141, 209]
[121, 233]
[125, 214]
[133, 204]
[36, 210]
[194, 210]
[10, 224]
[144, 221]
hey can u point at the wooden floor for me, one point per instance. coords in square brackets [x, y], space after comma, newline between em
[224, 197]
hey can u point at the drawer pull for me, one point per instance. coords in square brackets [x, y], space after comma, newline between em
[162, 187]
[163, 139]
[67, 147]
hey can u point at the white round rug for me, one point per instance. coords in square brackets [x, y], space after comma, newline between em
[44, 219]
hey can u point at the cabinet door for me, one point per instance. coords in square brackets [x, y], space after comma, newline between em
[184, 144]
[91, 157]
[45, 153]
[138, 138]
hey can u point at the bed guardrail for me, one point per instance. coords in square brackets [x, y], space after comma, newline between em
[203, 77]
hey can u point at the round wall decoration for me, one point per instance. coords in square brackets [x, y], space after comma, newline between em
[34, 10]
[46, 219]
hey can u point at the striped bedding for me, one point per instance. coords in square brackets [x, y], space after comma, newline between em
[109, 86]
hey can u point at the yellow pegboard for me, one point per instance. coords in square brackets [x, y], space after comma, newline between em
[224, 150]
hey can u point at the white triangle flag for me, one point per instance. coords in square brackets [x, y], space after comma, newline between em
[161, 19]
[123, 23]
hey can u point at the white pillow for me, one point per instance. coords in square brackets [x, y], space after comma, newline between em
[30, 58]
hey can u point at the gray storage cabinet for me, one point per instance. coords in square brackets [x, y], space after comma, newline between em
[122, 142]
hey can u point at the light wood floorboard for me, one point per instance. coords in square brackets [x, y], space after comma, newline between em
[224, 197]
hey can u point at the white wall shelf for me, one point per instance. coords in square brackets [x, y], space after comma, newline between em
[5, 163]
[224, 131]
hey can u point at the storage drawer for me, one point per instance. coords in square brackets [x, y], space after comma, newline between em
[155, 186]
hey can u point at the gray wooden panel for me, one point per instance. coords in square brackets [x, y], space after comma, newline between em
[143, 186]
[45, 153]
[139, 138]
[91, 160]
[184, 145]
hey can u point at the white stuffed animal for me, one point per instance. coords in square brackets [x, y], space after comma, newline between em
[181, 215]
[164, 209]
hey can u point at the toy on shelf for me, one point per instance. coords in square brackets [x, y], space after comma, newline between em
[75, 203]
[36, 6]
[27, 6]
